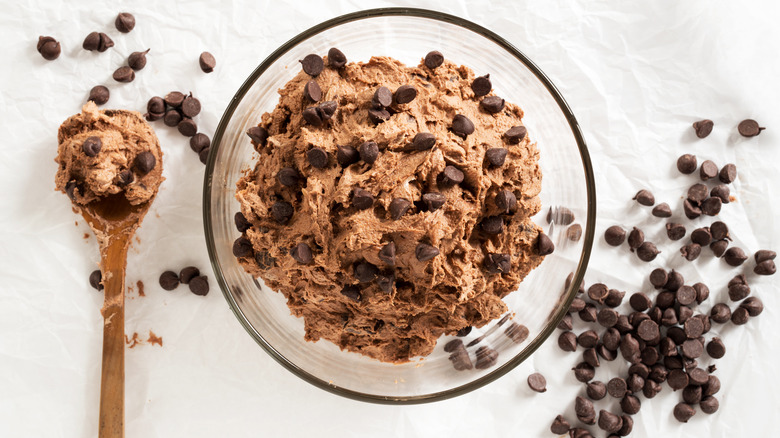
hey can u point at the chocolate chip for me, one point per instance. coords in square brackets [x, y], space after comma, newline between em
[175, 99]
[405, 94]
[172, 118]
[423, 141]
[566, 323]
[365, 272]
[584, 372]
[607, 317]
[611, 339]
[658, 278]
[124, 74]
[378, 115]
[691, 251]
[590, 356]
[740, 316]
[692, 211]
[187, 127]
[347, 155]
[630, 405]
[596, 390]
[560, 426]
[125, 177]
[312, 91]
[708, 170]
[383, 97]
[386, 282]
[125, 22]
[639, 302]
[398, 208]
[711, 206]
[615, 235]
[577, 304]
[583, 408]
[203, 155]
[749, 128]
[207, 62]
[505, 201]
[609, 422]
[450, 176]
[716, 349]
[647, 251]
[701, 236]
[735, 256]
[99, 94]
[687, 164]
[486, 358]
[199, 285]
[352, 292]
[312, 116]
[492, 225]
[629, 348]
[763, 255]
[282, 211]
[662, 210]
[137, 60]
[597, 292]
[92, 146]
[515, 134]
[692, 348]
[574, 232]
[434, 200]
[327, 109]
[312, 64]
[424, 252]
[242, 247]
[544, 246]
[462, 126]
[434, 59]
[635, 238]
[199, 141]
[188, 273]
[685, 295]
[767, 267]
[91, 42]
[703, 127]
[190, 106]
[496, 156]
[264, 260]
[588, 314]
[648, 330]
[169, 280]
[692, 394]
[683, 412]
[302, 254]
[492, 104]
[753, 305]
[712, 386]
[617, 387]
[537, 382]
[144, 162]
[481, 85]
[369, 151]
[336, 58]
[720, 313]
[644, 197]
[317, 157]
[362, 199]
[675, 231]
[709, 405]
[387, 253]
[718, 247]
[567, 341]
[95, 279]
[728, 174]
[49, 48]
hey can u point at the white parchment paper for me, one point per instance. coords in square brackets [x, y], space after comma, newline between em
[636, 74]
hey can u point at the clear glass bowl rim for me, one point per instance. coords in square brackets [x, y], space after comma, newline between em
[589, 228]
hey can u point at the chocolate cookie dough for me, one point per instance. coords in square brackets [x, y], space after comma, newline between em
[108, 152]
[377, 211]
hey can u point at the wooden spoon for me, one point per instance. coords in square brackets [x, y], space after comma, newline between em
[114, 221]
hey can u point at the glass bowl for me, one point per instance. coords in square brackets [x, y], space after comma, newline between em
[541, 300]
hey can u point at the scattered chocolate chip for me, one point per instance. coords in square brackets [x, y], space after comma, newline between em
[597, 292]
[387, 253]
[405, 94]
[740, 316]
[92, 146]
[287, 176]
[312, 64]
[481, 86]
[282, 211]
[188, 273]
[492, 225]
[362, 199]
[386, 282]
[492, 104]
[369, 151]
[383, 97]
[767, 267]
[735, 256]
[434, 200]
[49, 48]
[590, 356]
[137, 60]
[544, 246]
[640, 302]
[702, 292]
[399, 207]
[505, 201]
[675, 231]
[718, 247]
[683, 412]
[95, 279]
[450, 176]
[697, 193]
[242, 247]
[515, 134]
[716, 349]
[615, 235]
[566, 323]
[560, 426]
[708, 170]
[658, 278]
[647, 251]
[199, 141]
[424, 252]
[190, 106]
[172, 118]
[662, 210]
[199, 285]
[302, 254]
[312, 91]
[91, 42]
[692, 394]
[187, 127]
[312, 116]
[763, 255]
[709, 405]
[583, 408]
[496, 156]
[144, 162]
[721, 191]
[630, 405]
[691, 251]
[596, 390]
[711, 206]
[317, 157]
[749, 128]
[462, 126]
[125, 22]
[617, 387]
[589, 314]
[686, 164]
[703, 127]
[701, 236]
[169, 280]
[537, 382]
[434, 59]
[423, 141]
[125, 177]
[99, 94]
[203, 155]
[486, 358]
[352, 292]
[635, 238]
[207, 62]
[692, 211]
[175, 99]
[336, 58]
[124, 74]
[644, 197]
[567, 341]
[728, 174]
[648, 330]
[609, 422]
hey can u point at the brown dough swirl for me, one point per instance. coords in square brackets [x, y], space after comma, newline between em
[428, 299]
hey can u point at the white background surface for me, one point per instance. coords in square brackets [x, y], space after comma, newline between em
[636, 74]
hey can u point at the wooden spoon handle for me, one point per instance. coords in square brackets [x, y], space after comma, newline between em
[112, 379]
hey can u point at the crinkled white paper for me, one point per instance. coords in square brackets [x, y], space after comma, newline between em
[636, 74]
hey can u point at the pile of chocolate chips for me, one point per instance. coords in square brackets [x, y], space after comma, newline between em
[663, 336]
[199, 284]
[178, 110]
